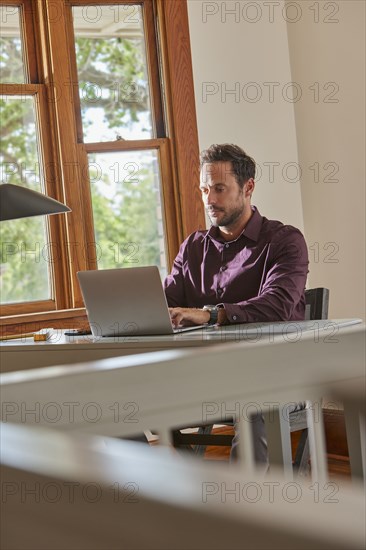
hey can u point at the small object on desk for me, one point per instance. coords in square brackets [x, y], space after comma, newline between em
[42, 335]
[17, 336]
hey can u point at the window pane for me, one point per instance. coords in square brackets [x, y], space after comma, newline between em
[127, 209]
[113, 82]
[11, 50]
[24, 254]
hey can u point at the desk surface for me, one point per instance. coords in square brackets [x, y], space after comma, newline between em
[24, 353]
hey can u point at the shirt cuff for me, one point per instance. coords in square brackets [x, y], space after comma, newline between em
[234, 313]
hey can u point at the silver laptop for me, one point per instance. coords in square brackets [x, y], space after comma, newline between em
[126, 302]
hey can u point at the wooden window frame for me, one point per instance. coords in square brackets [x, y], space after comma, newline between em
[176, 142]
[35, 86]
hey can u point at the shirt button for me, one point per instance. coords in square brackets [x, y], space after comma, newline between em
[227, 246]
[223, 268]
[219, 291]
[234, 317]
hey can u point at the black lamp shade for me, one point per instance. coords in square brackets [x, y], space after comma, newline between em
[20, 202]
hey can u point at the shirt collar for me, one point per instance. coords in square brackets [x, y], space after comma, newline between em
[251, 230]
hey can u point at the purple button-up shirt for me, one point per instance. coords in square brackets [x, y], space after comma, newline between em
[260, 276]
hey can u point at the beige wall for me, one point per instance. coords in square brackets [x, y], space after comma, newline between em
[331, 132]
[323, 132]
[228, 54]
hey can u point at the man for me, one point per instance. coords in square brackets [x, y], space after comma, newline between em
[245, 268]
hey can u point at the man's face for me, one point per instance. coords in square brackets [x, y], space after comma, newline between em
[225, 202]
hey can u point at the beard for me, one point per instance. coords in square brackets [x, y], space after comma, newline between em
[228, 219]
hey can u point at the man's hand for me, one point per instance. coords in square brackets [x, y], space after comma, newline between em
[187, 316]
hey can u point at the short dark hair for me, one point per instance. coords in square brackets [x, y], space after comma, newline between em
[242, 164]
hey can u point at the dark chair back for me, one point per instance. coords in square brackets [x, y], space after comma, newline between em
[317, 302]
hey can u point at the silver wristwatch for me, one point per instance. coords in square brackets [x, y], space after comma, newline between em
[214, 313]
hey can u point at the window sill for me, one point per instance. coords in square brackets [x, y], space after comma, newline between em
[65, 318]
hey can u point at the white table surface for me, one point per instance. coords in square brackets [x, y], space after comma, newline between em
[24, 353]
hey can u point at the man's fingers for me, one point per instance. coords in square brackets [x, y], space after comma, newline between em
[175, 316]
[185, 316]
[174, 312]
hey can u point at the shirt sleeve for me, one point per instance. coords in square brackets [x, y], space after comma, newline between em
[174, 283]
[281, 294]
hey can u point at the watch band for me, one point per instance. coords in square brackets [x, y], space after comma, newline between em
[214, 313]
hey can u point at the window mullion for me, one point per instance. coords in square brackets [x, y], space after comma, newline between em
[30, 16]
[170, 202]
[153, 70]
[58, 242]
[73, 176]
